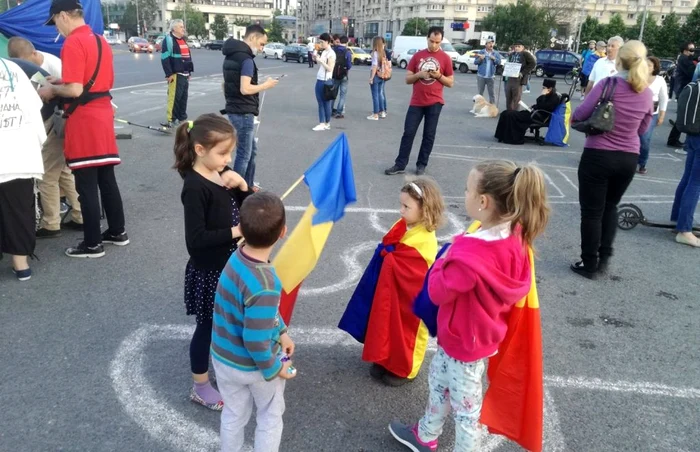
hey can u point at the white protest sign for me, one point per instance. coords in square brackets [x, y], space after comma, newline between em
[511, 69]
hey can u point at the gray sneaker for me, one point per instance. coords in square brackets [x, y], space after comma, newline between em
[408, 436]
[394, 170]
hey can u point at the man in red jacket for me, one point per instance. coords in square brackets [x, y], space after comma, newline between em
[90, 143]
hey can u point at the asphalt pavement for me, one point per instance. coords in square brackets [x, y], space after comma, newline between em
[94, 353]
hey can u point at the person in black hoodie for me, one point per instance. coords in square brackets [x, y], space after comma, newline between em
[242, 90]
[683, 76]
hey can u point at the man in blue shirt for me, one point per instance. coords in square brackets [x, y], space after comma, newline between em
[343, 64]
[487, 60]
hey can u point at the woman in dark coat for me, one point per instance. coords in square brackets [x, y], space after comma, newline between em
[512, 124]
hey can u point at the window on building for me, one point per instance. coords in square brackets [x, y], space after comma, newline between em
[599, 13]
[651, 2]
[685, 4]
[461, 8]
[632, 5]
[631, 16]
[484, 9]
[617, 2]
[478, 28]
[436, 22]
[667, 4]
[434, 7]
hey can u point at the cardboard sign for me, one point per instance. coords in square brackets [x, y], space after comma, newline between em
[512, 69]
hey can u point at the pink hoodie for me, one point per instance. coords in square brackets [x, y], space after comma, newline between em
[474, 287]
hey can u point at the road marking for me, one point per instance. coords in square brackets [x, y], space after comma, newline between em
[551, 182]
[353, 271]
[162, 82]
[568, 180]
[664, 156]
[644, 388]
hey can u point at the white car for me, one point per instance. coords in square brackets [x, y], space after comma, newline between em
[194, 44]
[273, 50]
[404, 58]
[467, 62]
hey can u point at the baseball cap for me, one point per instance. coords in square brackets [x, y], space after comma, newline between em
[601, 44]
[58, 6]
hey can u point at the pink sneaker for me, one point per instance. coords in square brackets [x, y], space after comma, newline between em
[408, 436]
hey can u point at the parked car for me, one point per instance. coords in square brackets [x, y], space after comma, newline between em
[194, 44]
[138, 45]
[296, 53]
[214, 45]
[273, 50]
[360, 56]
[467, 62]
[555, 62]
[113, 41]
[404, 58]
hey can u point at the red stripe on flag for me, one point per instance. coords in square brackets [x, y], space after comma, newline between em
[287, 302]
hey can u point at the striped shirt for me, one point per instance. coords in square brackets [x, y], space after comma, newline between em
[247, 325]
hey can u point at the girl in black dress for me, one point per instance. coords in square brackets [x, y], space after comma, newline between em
[211, 195]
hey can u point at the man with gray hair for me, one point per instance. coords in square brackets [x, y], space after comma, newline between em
[177, 65]
[605, 67]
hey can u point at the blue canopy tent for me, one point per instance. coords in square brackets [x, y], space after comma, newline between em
[27, 21]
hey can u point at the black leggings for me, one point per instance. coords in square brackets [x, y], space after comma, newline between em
[199, 348]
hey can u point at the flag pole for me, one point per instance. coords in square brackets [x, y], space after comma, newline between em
[291, 189]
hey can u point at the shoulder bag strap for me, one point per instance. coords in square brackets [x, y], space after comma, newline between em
[9, 75]
[86, 89]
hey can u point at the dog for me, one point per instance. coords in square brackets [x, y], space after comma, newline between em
[483, 109]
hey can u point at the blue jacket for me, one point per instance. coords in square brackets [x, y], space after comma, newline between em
[589, 62]
[487, 67]
[348, 55]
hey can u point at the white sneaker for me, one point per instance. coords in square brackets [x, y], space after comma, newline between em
[328, 126]
[527, 91]
[383, 114]
[582, 97]
[319, 128]
[373, 118]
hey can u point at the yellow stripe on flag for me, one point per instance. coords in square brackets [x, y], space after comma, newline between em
[301, 250]
[532, 299]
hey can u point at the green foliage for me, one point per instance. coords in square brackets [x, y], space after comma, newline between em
[668, 37]
[592, 29]
[690, 31]
[615, 27]
[219, 27]
[147, 10]
[520, 21]
[651, 33]
[276, 31]
[415, 27]
[242, 22]
[194, 20]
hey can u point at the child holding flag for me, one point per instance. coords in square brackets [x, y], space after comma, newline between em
[211, 195]
[380, 313]
[475, 286]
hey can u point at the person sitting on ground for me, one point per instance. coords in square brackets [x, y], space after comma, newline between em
[513, 124]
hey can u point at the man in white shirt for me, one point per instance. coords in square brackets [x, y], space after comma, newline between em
[605, 67]
[311, 48]
[57, 177]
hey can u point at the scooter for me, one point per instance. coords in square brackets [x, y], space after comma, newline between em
[629, 216]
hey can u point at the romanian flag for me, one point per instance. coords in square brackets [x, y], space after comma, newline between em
[513, 402]
[332, 186]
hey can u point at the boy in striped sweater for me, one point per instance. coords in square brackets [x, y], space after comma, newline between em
[250, 345]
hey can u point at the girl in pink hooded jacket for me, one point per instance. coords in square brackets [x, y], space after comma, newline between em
[475, 285]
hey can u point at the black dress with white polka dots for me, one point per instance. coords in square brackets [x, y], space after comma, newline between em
[200, 284]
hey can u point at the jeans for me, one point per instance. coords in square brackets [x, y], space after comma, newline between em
[603, 178]
[342, 91]
[414, 116]
[485, 82]
[384, 96]
[246, 148]
[324, 106]
[87, 181]
[378, 101]
[645, 142]
[688, 190]
[454, 385]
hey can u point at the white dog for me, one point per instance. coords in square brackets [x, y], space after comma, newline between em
[483, 109]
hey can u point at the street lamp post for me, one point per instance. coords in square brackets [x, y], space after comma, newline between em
[138, 21]
[644, 20]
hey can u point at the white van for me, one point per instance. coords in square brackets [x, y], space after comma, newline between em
[404, 43]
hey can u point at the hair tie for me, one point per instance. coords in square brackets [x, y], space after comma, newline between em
[190, 125]
[517, 170]
[417, 189]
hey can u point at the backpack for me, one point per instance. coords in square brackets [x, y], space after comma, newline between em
[385, 70]
[340, 70]
[688, 112]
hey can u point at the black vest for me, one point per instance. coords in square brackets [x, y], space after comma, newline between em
[236, 52]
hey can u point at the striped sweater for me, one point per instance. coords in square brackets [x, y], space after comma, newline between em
[247, 325]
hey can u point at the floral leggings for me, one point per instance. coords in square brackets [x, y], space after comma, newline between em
[454, 384]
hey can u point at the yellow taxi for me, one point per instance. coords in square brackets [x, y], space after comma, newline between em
[360, 56]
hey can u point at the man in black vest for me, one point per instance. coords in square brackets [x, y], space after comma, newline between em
[242, 101]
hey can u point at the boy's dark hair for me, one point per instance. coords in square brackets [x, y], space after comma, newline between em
[436, 31]
[336, 37]
[325, 37]
[254, 30]
[343, 39]
[262, 219]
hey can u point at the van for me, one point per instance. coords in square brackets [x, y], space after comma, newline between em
[404, 43]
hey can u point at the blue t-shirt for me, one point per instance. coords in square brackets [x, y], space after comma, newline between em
[248, 68]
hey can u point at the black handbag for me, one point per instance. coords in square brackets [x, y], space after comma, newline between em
[603, 117]
[330, 91]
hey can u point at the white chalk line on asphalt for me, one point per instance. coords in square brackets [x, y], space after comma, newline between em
[486, 147]
[152, 412]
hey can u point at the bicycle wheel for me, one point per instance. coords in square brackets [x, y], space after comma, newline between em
[572, 90]
[569, 77]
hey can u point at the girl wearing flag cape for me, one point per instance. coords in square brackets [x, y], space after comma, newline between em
[475, 286]
[380, 312]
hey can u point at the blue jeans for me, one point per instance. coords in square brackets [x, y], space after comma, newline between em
[688, 190]
[342, 91]
[246, 148]
[645, 142]
[414, 116]
[324, 106]
[378, 100]
[384, 96]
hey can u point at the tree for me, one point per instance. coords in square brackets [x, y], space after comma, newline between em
[194, 20]
[558, 11]
[668, 37]
[520, 21]
[690, 31]
[615, 27]
[416, 27]
[3, 5]
[242, 21]
[276, 31]
[219, 27]
[147, 10]
[592, 30]
[651, 32]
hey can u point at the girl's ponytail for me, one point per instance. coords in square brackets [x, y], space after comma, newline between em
[184, 149]
[529, 202]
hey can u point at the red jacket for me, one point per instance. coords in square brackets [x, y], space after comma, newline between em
[475, 287]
